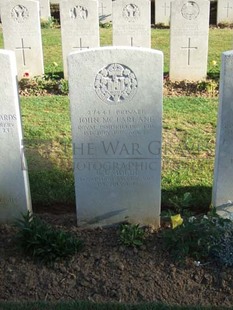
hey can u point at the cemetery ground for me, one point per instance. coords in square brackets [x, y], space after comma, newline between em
[105, 270]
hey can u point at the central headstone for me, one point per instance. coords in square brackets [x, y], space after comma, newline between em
[223, 173]
[116, 114]
[14, 186]
[79, 26]
[22, 34]
[189, 32]
[131, 23]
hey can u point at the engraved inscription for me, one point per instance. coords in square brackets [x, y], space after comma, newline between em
[20, 13]
[79, 12]
[115, 83]
[190, 10]
[6, 122]
[131, 12]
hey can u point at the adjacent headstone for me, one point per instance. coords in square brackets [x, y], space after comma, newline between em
[223, 173]
[189, 31]
[116, 115]
[162, 12]
[14, 186]
[131, 23]
[225, 11]
[105, 11]
[22, 34]
[79, 26]
[45, 12]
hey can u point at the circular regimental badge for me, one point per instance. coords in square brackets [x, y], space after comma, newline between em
[190, 10]
[19, 13]
[79, 12]
[115, 83]
[131, 12]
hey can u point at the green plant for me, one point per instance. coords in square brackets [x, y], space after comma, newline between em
[181, 203]
[64, 87]
[48, 23]
[131, 235]
[43, 243]
[105, 25]
[196, 237]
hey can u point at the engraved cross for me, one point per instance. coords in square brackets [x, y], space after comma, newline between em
[80, 45]
[165, 6]
[102, 7]
[228, 7]
[189, 47]
[23, 48]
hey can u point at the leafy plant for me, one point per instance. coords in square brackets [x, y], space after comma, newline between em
[105, 25]
[43, 243]
[131, 235]
[64, 87]
[196, 237]
[48, 23]
[181, 203]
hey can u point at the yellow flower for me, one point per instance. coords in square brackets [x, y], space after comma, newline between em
[176, 220]
[55, 64]
[214, 63]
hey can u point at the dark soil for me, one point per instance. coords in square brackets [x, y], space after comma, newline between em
[106, 271]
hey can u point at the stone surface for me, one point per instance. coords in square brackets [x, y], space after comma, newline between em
[189, 39]
[225, 11]
[22, 34]
[79, 26]
[223, 174]
[116, 114]
[45, 9]
[105, 11]
[131, 23]
[162, 12]
[14, 186]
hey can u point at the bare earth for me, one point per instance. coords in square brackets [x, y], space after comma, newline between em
[106, 271]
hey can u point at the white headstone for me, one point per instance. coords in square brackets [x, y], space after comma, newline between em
[22, 34]
[189, 31]
[162, 12]
[225, 11]
[223, 173]
[116, 114]
[14, 186]
[45, 12]
[132, 23]
[79, 26]
[105, 11]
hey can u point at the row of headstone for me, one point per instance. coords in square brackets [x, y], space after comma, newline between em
[131, 27]
[116, 117]
[163, 11]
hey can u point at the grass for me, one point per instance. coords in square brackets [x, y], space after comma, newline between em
[91, 306]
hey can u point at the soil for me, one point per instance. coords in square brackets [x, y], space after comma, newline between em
[107, 271]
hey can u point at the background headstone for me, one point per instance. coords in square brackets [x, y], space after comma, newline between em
[162, 12]
[223, 173]
[105, 11]
[116, 114]
[132, 23]
[14, 186]
[79, 26]
[22, 34]
[225, 11]
[189, 31]
[45, 12]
